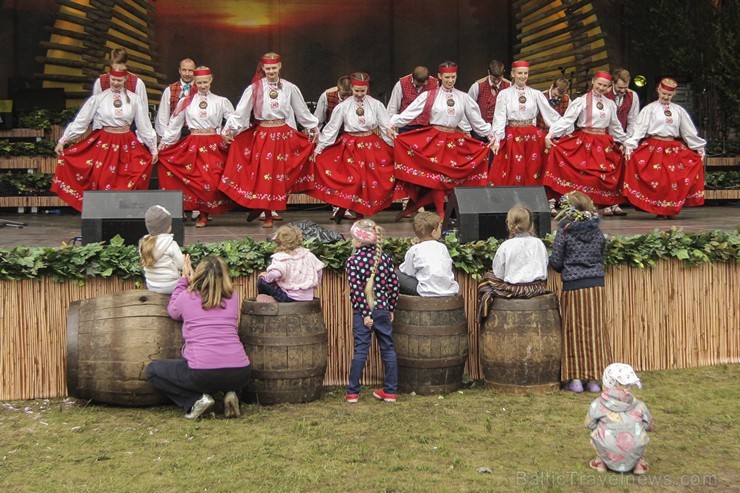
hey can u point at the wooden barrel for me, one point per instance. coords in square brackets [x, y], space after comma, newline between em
[287, 345]
[431, 340]
[110, 341]
[520, 344]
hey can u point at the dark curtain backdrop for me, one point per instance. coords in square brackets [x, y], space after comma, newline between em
[324, 39]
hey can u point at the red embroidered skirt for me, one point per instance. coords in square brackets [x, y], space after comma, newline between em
[521, 158]
[589, 163]
[356, 173]
[195, 165]
[265, 165]
[440, 160]
[102, 161]
[664, 176]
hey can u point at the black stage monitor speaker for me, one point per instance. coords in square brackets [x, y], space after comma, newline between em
[478, 213]
[111, 213]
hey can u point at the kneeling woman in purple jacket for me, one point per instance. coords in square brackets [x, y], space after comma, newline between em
[214, 357]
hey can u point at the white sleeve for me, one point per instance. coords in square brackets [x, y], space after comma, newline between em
[239, 119]
[141, 93]
[565, 123]
[304, 117]
[163, 113]
[144, 130]
[321, 107]
[499, 263]
[79, 125]
[173, 129]
[473, 116]
[688, 131]
[414, 109]
[548, 112]
[473, 91]
[331, 130]
[632, 115]
[394, 103]
[97, 87]
[640, 129]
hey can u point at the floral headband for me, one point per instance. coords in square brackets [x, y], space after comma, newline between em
[567, 211]
[365, 236]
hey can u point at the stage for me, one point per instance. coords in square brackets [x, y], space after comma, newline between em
[53, 229]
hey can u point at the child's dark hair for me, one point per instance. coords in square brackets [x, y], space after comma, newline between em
[425, 223]
[367, 232]
[519, 221]
[288, 238]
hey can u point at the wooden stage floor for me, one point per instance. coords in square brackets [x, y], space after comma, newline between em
[52, 230]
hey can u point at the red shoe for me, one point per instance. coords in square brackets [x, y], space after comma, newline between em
[352, 398]
[641, 468]
[202, 221]
[267, 223]
[598, 465]
[384, 396]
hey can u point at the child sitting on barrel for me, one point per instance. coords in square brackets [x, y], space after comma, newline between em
[427, 267]
[160, 254]
[520, 263]
[293, 273]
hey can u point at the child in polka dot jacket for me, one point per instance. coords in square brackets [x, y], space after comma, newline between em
[374, 292]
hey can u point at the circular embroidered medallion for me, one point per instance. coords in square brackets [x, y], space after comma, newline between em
[203, 105]
[522, 99]
[360, 111]
[273, 94]
[600, 105]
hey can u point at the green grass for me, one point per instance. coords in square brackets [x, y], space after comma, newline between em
[424, 444]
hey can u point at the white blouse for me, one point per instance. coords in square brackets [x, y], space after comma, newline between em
[605, 117]
[430, 263]
[508, 107]
[289, 106]
[464, 108]
[345, 116]
[216, 109]
[100, 111]
[521, 259]
[652, 120]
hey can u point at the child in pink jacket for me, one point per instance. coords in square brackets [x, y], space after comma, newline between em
[293, 273]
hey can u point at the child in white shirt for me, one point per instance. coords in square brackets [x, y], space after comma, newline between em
[427, 267]
[160, 254]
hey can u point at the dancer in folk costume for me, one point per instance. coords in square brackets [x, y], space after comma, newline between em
[628, 107]
[433, 160]
[173, 94]
[195, 163]
[110, 158]
[588, 159]
[407, 89]
[268, 159]
[663, 173]
[355, 173]
[118, 61]
[485, 91]
[518, 145]
[330, 98]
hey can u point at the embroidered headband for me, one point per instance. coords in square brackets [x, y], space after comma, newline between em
[270, 61]
[668, 84]
[359, 83]
[603, 75]
[118, 73]
[204, 71]
[447, 70]
[520, 64]
[363, 235]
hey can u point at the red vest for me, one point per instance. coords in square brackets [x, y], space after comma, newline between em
[487, 97]
[175, 92]
[409, 94]
[332, 100]
[624, 110]
[130, 82]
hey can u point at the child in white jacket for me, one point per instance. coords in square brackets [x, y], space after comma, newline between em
[160, 254]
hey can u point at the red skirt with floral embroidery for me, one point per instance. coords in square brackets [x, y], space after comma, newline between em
[356, 173]
[440, 160]
[662, 176]
[589, 163]
[102, 161]
[521, 158]
[195, 165]
[265, 165]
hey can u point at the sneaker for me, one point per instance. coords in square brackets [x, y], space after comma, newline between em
[641, 467]
[201, 405]
[265, 298]
[231, 405]
[607, 211]
[593, 386]
[352, 398]
[598, 465]
[574, 385]
[384, 396]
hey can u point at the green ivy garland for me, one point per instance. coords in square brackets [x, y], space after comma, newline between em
[77, 263]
